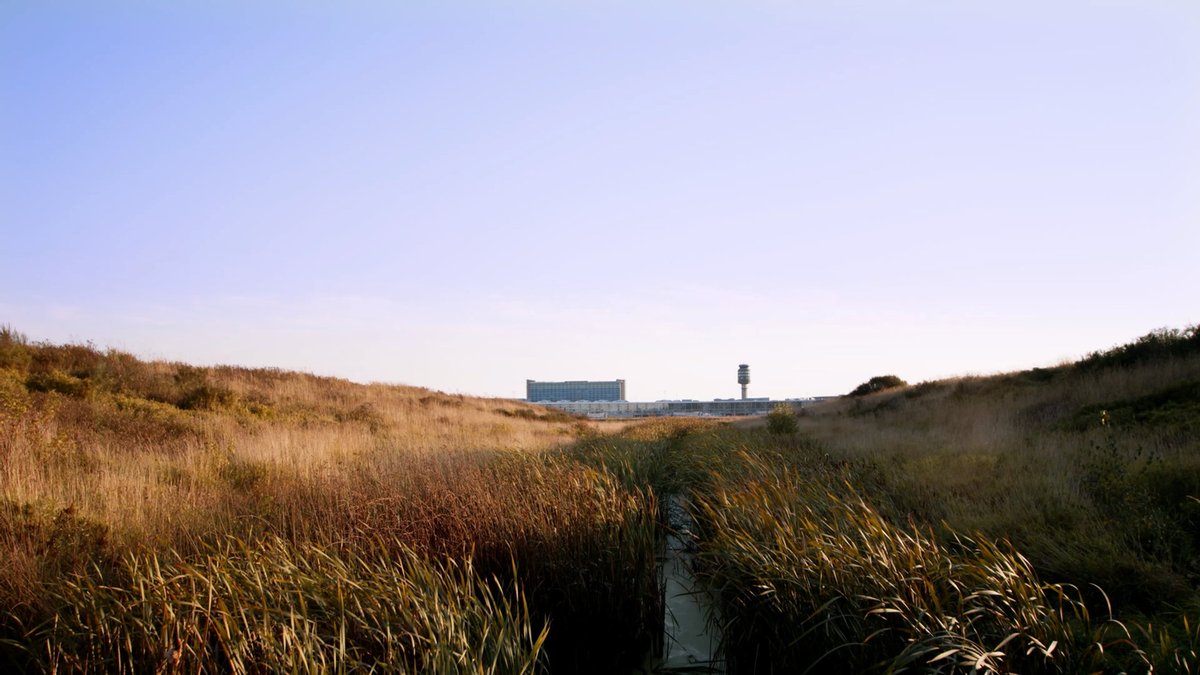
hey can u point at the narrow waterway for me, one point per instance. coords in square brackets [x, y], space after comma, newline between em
[690, 641]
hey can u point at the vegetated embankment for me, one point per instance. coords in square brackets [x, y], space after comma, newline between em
[157, 517]
[1042, 521]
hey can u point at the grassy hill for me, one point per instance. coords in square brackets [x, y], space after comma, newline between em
[175, 480]
[1091, 469]
[159, 517]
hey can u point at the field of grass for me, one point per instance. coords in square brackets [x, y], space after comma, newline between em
[1042, 521]
[1027, 457]
[255, 520]
[157, 517]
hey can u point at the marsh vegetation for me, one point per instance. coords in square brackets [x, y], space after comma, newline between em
[158, 517]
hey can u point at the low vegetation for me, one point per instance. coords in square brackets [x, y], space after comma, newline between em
[842, 588]
[878, 383]
[158, 517]
[892, 514]
[238, 519]
[782, 420]
[1090, 469]
[277, 607]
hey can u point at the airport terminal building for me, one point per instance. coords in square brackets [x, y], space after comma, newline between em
[607, 399]
[682, 408]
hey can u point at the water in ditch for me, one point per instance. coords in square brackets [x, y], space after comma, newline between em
[690, 640]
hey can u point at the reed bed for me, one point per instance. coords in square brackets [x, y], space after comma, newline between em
[109, 461]
[814, 579]
[1027, 457]
[578, 543]
[1080, 486]
[157, 517]
[842, 548]
[271, 606]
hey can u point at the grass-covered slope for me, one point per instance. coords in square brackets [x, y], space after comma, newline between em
[157, 517]
[1042, 521]
[163, 517]
[983, 524]
[1091, 468]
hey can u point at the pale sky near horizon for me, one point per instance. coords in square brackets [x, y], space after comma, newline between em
[463, 195]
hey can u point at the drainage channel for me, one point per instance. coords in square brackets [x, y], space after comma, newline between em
[690, 641]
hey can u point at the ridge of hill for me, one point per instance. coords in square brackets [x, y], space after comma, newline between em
[1091, 468]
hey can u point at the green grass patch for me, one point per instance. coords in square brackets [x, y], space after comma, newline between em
[1175, 408]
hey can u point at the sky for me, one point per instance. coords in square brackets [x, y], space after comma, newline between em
[465, 195]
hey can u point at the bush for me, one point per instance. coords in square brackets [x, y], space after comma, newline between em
[60, 382]
[208, 397]
[878, 384]
[1155, 345]
[81, 361]
[364, 413]
[1176, 407]
[782, 420]
[14, 349]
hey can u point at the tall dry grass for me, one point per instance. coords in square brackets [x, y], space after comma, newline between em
[957, 525]
[272, 606]
[810, 577]
[107, 459]
[1026, 457]
[983, 523]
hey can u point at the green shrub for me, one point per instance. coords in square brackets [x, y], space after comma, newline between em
[1176, 407]
[1155, 345]
[14, 349]
[208, 397]
[782, 420]
[58, 381]
[123, 373]
[81, 361]
[878, 383]
[364, 413]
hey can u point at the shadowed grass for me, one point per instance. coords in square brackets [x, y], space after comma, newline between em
[275, 607]
[167, 463]
[814, 578]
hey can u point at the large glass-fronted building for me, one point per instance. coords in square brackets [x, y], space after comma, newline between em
[577, 390]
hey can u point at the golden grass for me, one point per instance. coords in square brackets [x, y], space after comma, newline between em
[152, 470]
[129, 488]
[107, 460]
[276, 607]
[810, 576]
[1021, 458]
[842, 547]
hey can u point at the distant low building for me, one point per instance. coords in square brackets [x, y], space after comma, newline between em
[607, 399]
[688, 408]
[574, 390]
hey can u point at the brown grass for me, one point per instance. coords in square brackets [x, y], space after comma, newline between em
[103, 457]
[155, 472]
[1025, 457]
[120, 475]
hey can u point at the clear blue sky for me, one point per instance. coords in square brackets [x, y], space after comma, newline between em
[463, 195]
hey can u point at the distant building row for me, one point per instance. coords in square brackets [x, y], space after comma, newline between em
[607, 399]
[716, 408]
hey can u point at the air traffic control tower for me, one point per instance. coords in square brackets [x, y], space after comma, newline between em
[744, 378]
